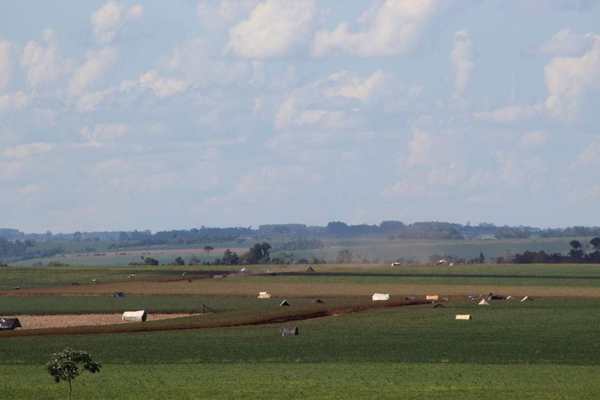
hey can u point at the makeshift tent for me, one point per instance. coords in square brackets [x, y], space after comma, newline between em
[432, 297]
[119, 295]
[135, 316]
[380, 296]
[526, 298]
[284, 303]
[290, 331]
[9, 324]
[310, 269]
[463, 317]
[244, 269]
[319, 301]
[483, 302]
[264, 295]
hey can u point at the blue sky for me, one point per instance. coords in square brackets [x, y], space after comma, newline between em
[157, 115]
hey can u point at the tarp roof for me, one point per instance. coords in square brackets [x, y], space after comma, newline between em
[9, 324]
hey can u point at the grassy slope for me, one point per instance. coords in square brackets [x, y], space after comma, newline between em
[309, 381]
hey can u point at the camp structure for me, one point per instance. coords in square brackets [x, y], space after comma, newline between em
[293, 331]
[310, 269]
[9, 324]
[284, 303]
[318, 301]
[483, 302]
[119, 295]
[264, 295]
[526, 298]
[463, 317]
[244, 269]
[135, 316]
[432, 297]
[380, 296]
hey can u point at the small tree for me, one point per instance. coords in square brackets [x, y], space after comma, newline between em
[208, 249]
[179, 261]
[66, 366]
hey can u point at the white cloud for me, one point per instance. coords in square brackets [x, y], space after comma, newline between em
[462, 61]
[393, 28]
[293, 114]
[27, 150]
[329, 103]
[590, 155]
[42, 62]
[108, 19]
[568, 79]
[567, 43]
[272, 28]
[14, 101]
[101, 133]
[162, 87]
[28, 190]
[5, 63]
[533, 139]
[216, 14]
[420, 149]
[135, 11]
[352, 87]
[96, 64]
[508, 114]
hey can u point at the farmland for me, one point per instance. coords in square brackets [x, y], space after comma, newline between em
[347, 347]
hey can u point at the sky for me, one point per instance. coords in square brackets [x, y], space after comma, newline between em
[120, 115]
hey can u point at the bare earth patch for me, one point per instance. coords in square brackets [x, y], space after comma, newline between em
[61, 321]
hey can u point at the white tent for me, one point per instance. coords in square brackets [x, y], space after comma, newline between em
[135, 316]
[380, 296]
[264, 295]
[432, 297]
[463, 317]
[483, 302]
[526, 298]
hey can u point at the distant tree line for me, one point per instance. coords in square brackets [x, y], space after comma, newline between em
[304, 234]
[17, 250]
[576, 254]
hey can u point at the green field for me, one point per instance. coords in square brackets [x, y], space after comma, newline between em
[544, 349]
[412, 352]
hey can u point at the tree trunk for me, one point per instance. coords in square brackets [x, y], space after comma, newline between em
[70, 389]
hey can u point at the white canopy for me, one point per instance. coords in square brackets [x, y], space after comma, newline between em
[381, 296]
[135, 316]
[264, 295]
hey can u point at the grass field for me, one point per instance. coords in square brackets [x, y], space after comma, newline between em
[544, 349]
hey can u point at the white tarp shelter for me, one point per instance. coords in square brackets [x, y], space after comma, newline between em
[483, 302]
[264, 295]
[135, 316]
[463, 317]
[380, 296]
[432, 297]
[526, 298]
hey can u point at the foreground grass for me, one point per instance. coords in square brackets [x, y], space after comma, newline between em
[339, 380]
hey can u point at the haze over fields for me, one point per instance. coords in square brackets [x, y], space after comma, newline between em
[121, 115]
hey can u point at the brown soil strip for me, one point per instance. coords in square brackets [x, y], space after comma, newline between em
[189, 323]
[233, 286]
[70, 320]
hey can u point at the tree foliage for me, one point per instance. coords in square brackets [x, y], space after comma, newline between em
[68, 364]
